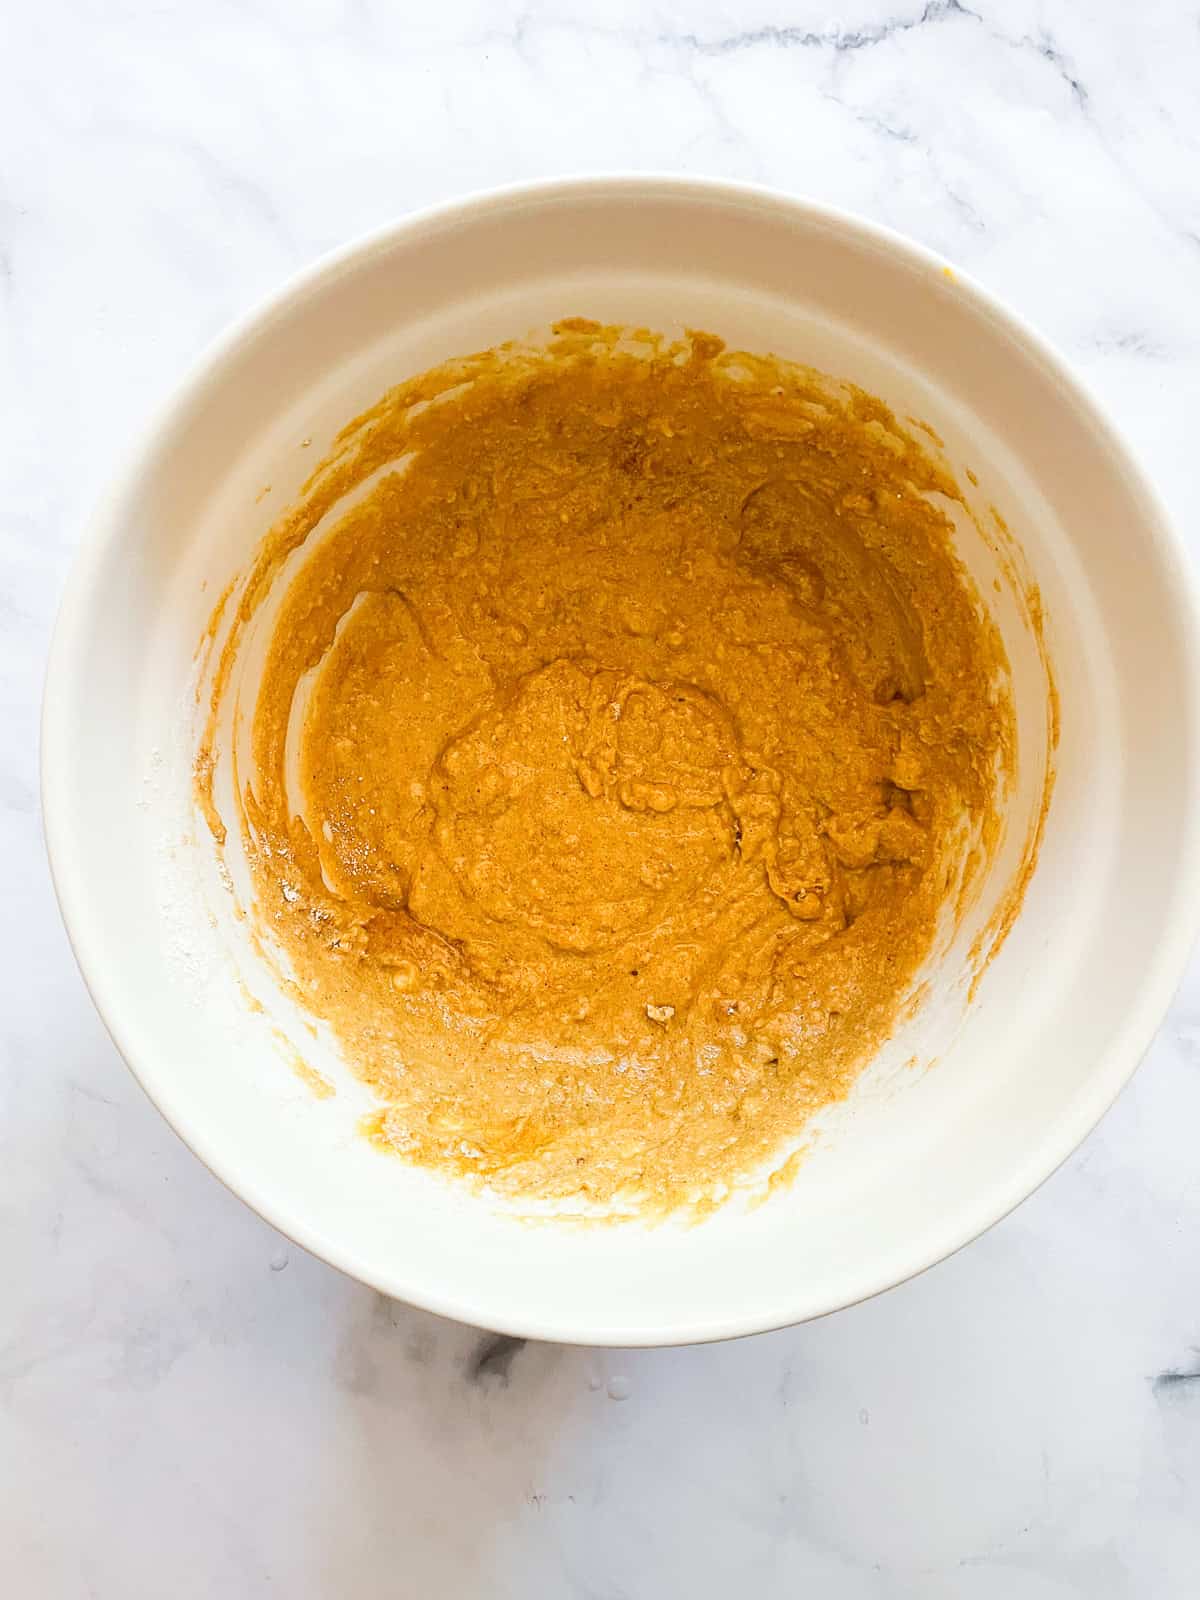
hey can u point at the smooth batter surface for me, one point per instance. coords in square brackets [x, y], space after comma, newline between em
[619, 745]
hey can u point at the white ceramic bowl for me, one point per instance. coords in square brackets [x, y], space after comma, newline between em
[918, 1162]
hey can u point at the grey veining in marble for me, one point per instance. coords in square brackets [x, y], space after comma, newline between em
[191, 1407]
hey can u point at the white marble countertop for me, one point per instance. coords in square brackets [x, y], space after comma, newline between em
[189, 1407]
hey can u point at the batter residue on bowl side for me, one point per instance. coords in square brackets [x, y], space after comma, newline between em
[628, 729]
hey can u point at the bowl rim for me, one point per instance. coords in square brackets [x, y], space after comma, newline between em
[1111, 1070]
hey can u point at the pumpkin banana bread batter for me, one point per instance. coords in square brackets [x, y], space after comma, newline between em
[627, 735]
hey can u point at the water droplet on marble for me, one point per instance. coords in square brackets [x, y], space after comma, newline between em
[618, 1388]
[279, 1260]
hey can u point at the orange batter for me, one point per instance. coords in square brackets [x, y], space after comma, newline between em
[625, 730]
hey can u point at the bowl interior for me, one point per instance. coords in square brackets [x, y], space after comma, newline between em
[918, 1160]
